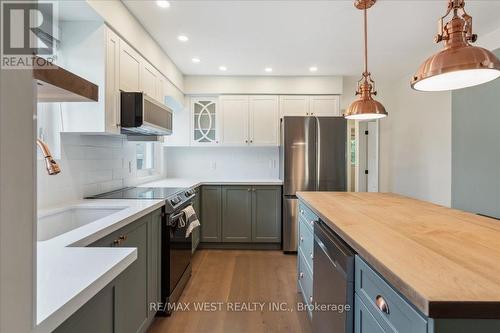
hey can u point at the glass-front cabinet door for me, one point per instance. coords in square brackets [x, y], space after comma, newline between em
[205, 120]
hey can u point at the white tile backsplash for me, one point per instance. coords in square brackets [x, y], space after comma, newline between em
[223, 162]
[90, 164]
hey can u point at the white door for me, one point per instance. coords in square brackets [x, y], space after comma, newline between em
[264, 120]
[112, 92]
[130, 68]
[149, 80]
[234, 124]
[372, 156]
[294, 105]
[325, 106]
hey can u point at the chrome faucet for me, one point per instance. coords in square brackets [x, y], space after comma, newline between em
[50, 163]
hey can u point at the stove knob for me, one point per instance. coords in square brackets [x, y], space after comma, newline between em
[172, 201]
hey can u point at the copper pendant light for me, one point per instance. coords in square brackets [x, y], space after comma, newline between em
[365, 108]
[459, 64]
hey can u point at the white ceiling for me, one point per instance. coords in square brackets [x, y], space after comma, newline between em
[291, 36]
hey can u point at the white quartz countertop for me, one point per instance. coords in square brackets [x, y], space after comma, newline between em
[186, 182]
[70, 274]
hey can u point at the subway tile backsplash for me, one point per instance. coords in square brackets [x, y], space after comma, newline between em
[90, 164]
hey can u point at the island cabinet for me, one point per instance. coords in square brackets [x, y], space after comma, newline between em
[123, 306]
[241, 215]
[196, 232]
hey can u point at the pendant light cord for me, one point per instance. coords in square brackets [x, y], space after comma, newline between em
[366, 44]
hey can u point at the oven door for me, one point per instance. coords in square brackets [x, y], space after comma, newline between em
[179, 247]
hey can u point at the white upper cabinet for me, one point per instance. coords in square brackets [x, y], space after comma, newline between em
[318, 105]
[112, 95]
[324, 106]
[294, 105]
[130, 68]
[149, 80]
[204, 121]
[234, 120]
[264, 120]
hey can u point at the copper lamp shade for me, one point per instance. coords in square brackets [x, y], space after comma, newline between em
[365, 108]
[459, 64]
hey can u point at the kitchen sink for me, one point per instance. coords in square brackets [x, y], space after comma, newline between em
[57, 223]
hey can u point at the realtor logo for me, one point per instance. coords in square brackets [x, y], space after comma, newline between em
[28, 29]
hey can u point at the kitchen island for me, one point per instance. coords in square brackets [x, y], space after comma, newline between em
[443, 262]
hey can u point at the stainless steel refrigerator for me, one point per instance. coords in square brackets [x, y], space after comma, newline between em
[312, 158]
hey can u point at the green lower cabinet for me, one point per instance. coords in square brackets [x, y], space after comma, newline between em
[131, 297]
[95, 316]
[211, 205]
[123, 306]
[241, 214]
[237, 214]
[266, 214]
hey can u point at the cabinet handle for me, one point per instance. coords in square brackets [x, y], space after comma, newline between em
[382, 304]
[246, 141]
[311, 223]
[116, 242]
[311, 255]
[301, 275]
[123, 238]
[310, 299]
[251, 140]
[302, 212]
[301, 239]
[248, 190]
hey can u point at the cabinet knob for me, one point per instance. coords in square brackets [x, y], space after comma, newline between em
[310, 299]
[116, 242]
[382, 304]
[248, 190]
[123, 238]
[246, 141]
[302, 212]
[301, 275]
[301, 239]
[251, 140]
[312, 222]
[311, 255]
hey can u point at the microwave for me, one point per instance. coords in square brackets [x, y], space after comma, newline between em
[142, 115]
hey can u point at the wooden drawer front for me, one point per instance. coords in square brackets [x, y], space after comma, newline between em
[305, 280]
[364, 321]
[306, 242]
[401, 316]
[307, 215]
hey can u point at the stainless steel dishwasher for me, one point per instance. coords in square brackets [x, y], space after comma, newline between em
[333, 281]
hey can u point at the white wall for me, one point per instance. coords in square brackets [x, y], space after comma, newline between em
[90, 165]
[17, 201]
[229, 162]
[263, 85]
[416, 143]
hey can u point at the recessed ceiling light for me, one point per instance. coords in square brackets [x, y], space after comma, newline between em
[223, 68]
[313, 69]
[195, 60]
[268, 69]
[183, 38]
[163, 3]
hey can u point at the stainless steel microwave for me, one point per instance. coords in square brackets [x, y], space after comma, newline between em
[142, 115]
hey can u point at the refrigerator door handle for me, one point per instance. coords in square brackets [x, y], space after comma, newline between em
[318, 152]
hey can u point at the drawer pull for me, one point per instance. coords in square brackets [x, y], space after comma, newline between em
[382, 304]
[301, 275]
[310, 299]
[301, 239]
[302, 212]
[312, 257]
[123, 238]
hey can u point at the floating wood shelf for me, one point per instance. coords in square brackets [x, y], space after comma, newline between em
[55, 84]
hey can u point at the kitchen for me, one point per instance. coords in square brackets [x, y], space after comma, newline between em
[182, 168]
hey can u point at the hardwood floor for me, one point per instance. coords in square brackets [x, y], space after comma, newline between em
[239, 278]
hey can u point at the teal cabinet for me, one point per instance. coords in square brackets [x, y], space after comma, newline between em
[211, 205]
[266, 214]
[95, 316]
[236, 214]
[364, 322]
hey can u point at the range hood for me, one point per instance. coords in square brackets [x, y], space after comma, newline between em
[55, 84]
[142, 115]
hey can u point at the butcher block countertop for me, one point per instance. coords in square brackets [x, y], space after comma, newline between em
[445, 261]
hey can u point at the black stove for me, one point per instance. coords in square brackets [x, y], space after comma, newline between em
[176, 247]
[174, 197]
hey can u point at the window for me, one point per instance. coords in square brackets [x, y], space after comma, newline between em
[145, 156]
